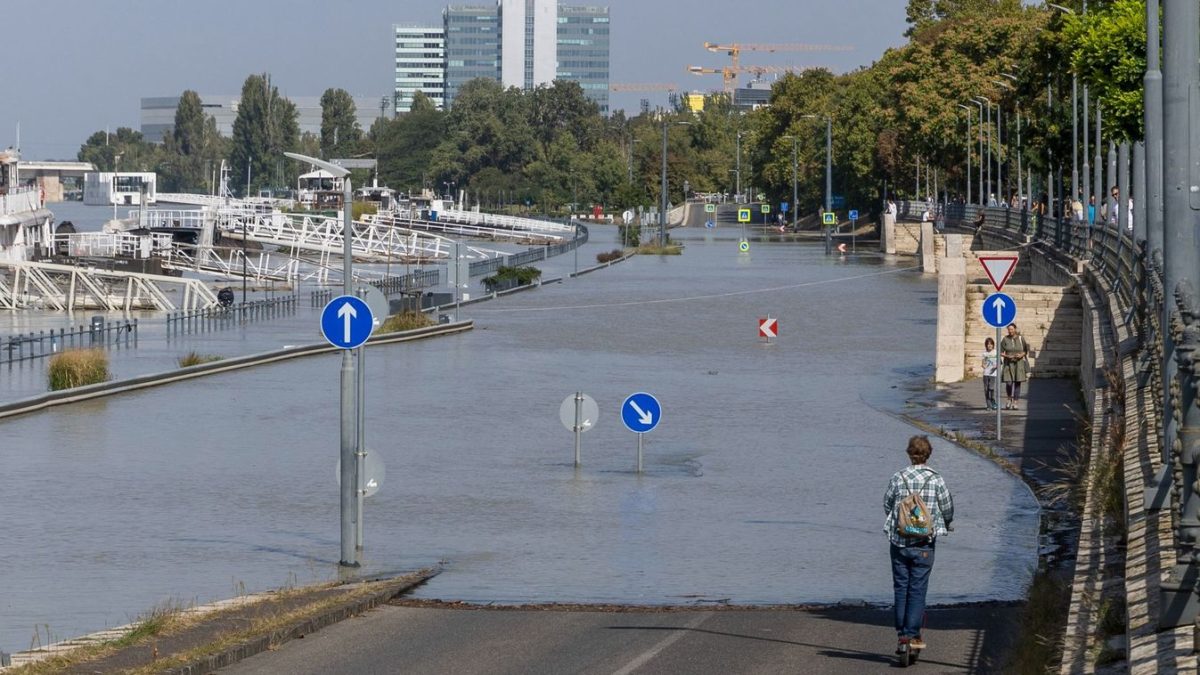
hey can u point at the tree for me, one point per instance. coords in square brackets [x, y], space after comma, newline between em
[192, 148]
[405, 145]
[265, 127]
[125, 150]
[340, 132]
[1109, 52]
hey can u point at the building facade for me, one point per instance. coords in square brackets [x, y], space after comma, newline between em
[158, 113]
[420, 64]
[472, 45]
[528, 42]
[583, 50]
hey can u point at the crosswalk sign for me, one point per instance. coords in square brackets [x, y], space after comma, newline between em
[829, 218]
[710, 208]
[766, 208]
[743, 215]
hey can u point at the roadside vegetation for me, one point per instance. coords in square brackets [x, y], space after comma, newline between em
[77, 368]
[195, 359]
[610, 256]
[511, 277]
[405, 321]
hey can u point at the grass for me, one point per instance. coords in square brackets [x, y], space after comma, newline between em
[158, 621]
[1042, 625]
[77, 368]
[194, 359]
[609, 256]
[655, 249]
[406, 321]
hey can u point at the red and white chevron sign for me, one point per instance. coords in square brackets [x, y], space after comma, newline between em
[768, 327]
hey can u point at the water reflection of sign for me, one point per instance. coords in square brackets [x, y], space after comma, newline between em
[744, 246]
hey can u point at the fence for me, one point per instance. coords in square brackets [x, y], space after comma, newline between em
[484, 267]
[111, 334]
[221, 318]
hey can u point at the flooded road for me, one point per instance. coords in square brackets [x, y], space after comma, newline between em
[763, 482]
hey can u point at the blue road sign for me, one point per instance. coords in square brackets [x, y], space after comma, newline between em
[709, 224]
[854, 215]
[641, 412]
[783, 206]
[838, 201]
[346, 322]
[999, 310]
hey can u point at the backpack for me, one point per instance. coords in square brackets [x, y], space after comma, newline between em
[913, 518]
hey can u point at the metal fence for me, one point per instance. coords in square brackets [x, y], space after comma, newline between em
[484, 267]
[221, 318]
[100, 334]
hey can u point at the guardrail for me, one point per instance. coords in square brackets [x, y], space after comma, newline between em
[42, 344]
[221, 317]
[484, 267]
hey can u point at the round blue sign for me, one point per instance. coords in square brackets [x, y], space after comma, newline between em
[641, 412]
[999, 310]
[346, 322]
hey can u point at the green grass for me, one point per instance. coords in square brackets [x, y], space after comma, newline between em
[194, 359]
[655, 249]
[77, 368]
[406, 321]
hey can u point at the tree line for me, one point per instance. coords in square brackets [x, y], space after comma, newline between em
[549, 148]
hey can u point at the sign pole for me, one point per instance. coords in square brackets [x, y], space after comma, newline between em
[998, 378]
[639, 454]
[360, 473]
[578, 423]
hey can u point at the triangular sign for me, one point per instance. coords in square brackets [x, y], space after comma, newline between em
[998, 269]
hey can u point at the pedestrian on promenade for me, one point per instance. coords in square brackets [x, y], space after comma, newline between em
[1014, 351]
[991, 361]
[913, 535]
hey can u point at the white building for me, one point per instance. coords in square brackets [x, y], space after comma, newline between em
[528, 42]
[420, 64]
[127, 188]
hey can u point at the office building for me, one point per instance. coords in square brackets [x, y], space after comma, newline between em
[528, 44]
[472, 45]
[420, 65]
[583, 50]
[158, 113]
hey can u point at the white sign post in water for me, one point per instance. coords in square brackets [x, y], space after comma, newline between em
[578, 414]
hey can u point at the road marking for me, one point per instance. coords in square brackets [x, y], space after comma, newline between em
[654, 651]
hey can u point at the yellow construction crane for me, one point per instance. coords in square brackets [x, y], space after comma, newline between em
[734, 50]
[729, 73]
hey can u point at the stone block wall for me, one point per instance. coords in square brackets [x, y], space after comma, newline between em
[1050, 318]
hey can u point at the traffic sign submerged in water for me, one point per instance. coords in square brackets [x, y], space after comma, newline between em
[641, 412]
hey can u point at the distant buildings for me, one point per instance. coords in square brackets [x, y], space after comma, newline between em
[519, 43]
[158, 113]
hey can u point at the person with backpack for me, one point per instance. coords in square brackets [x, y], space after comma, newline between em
[919, 509]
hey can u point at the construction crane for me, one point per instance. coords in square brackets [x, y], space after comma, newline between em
[734, 50]
[729, 73]
[644, 86]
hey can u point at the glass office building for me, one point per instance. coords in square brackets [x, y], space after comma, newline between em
[472, 45]
[583, 50]
[420, 65]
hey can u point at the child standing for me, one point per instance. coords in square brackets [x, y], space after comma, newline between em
[991, 361]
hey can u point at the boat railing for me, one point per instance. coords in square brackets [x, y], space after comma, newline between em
[20, 199]
[112, 245]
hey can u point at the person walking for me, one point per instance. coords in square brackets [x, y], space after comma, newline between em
[913, 536]
[1014, 352]
[991, 361]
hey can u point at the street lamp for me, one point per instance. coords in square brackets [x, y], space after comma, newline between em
[737, 197]
[987, 102]
[662, 218]
[980, 104]
[794, 189]
[968, 174]
[828, 174]
[351, 508]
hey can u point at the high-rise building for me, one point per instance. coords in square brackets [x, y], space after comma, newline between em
[420, 64]
[472, 45]
[583, 50]
[528, 42]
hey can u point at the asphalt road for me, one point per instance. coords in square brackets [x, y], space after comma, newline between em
[409, 639]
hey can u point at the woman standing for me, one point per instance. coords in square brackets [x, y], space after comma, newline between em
[1014, 352]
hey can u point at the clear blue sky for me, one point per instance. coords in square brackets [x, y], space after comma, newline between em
[78, 66]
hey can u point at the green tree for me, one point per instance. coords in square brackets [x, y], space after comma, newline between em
[1109, 52]
[124, 150]
[265, 127]
[340, 132]
[405, 145]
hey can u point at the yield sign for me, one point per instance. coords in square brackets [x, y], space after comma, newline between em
[768, 327]
[998, 269]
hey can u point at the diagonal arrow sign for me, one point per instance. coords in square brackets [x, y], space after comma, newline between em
[347, 313]
[643, 416]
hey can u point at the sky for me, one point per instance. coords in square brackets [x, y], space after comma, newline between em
[80, 66]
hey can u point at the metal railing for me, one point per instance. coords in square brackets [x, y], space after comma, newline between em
[42, 344]
[222, 318]
[484, 267]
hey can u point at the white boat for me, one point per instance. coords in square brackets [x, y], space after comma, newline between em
[24, 221]
[120, 188]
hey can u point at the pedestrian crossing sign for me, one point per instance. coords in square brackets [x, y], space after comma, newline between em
[743, 215]
[766, 208]
[829, 218]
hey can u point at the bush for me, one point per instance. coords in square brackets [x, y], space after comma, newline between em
[194, 359]
[77, 368]
[610, 256]
[406, 321]
[631, 235]
[359, 209]
[508, 277]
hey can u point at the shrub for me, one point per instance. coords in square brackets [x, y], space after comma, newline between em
[631, 235]
[359, 209]
[609, 256]
[507, 277]
[406, 321]
[194, 359]
[78, 367]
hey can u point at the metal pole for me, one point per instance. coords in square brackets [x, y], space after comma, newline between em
[794, 188]
[1098, 169]
[989, 151]
[738, 171]
[1181, 215]
[999, 154]
[1074, 136]
[639, 455]
[968, 156]
[578, 423]
[349, 402]
[662, 229]
[982, 194]
[1020, 197]
[1087, 170]
[1139, 194]
[1154, 138]
[828, 181]
[361, 443]
[1122, 201]
[998, 383]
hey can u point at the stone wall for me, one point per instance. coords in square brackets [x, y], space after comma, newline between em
[1050, 318]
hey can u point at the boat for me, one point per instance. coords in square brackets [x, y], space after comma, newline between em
[25, 223]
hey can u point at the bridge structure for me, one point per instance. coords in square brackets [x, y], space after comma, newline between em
[68, 288]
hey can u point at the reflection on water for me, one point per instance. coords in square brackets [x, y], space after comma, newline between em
[763, 483]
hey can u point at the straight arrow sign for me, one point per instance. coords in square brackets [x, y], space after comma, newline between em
[347, 314]
[998, 304]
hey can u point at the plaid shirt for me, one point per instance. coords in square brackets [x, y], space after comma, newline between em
[933, 491]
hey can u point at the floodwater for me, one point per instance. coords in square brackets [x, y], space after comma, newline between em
[763, 483]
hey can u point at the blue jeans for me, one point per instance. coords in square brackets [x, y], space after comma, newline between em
[911, 566]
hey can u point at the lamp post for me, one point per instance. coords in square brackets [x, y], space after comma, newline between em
[980, 104]
[828, 174]
[662, 218]
[988, 103]
[737, 197]
[351, 508]
[794, 189]
[968, 174]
